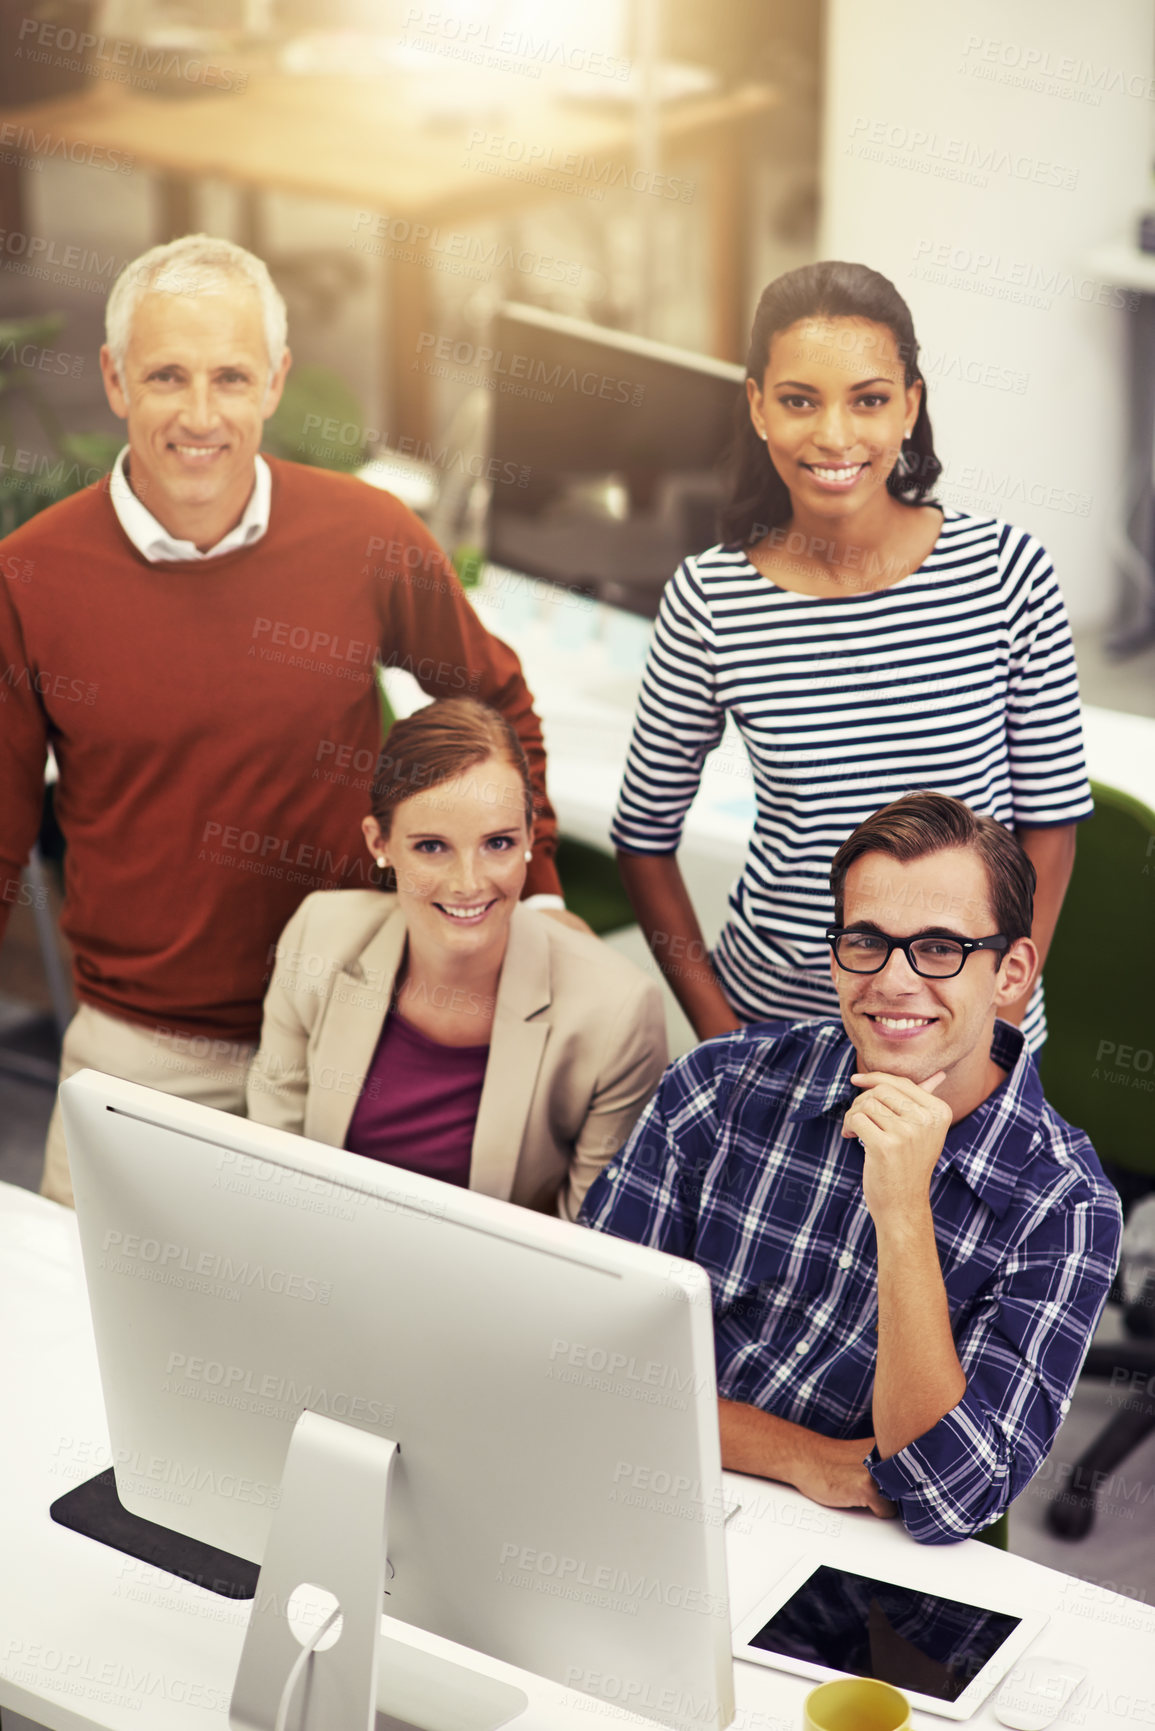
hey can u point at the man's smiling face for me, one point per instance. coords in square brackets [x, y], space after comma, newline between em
[196, 393]
[901, 1022]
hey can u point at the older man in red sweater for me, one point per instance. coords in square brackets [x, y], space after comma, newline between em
[197, 638]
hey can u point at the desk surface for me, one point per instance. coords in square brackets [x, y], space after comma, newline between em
[370, 142]
[89, 1638]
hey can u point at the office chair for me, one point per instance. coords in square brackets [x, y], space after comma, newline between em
[1098, 1071]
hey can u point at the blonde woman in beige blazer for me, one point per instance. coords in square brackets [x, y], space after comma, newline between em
[575, 1033]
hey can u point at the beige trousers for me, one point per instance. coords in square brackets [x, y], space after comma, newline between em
[194, 1067]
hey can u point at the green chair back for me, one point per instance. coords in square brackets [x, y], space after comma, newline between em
[1098, 1065]
[593, 886]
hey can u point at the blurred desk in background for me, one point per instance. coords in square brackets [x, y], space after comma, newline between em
[407, 172]
[1127, 267]
[1120, 751]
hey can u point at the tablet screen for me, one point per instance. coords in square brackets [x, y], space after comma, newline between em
[870, 1628]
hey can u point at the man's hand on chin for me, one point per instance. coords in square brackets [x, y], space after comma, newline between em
[902, 1127]
[918, 1378]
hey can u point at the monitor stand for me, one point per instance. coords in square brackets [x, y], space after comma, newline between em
[330, 1532]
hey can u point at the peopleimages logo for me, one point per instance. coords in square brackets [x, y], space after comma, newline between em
[157, 1475]
[456, 250]
[1027, 66]
[117, 58]
[524, 1566]
[588, 1366]
[69, 1672]
[503, 366]
[47, 144]
[927, 150]
[198, 1373]
[483, 43]
[649, 1372]
[213, 1265]
[173, 1482]
[609, 1691]
[1023, 281]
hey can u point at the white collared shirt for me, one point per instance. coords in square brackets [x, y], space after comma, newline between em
[153, 541]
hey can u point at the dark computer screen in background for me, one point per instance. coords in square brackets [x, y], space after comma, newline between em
[621, 441]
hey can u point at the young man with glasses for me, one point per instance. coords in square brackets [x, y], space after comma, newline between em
[908, 1249]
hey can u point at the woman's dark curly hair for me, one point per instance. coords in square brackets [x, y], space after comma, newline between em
[759, 500]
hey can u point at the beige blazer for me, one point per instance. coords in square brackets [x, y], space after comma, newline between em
[577, 1047]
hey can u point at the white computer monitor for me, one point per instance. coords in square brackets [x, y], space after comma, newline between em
[557, 1499]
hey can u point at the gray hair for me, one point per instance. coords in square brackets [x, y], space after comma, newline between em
[195, 264]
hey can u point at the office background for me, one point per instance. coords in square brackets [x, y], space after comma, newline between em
[647, 167]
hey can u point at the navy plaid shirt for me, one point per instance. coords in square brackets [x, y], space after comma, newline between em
[738, 1163]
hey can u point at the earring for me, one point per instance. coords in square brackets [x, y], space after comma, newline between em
[907, 461]
[381, 861]
[528, 855]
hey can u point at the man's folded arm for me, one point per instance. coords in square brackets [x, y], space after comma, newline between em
[431, 630]
[23, 749]
[1021, 1352]
[828, 1470]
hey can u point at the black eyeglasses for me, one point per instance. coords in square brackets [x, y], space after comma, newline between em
[934, 958]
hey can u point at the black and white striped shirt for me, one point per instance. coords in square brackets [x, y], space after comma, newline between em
[960, 677]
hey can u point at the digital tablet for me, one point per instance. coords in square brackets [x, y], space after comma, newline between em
[946, 1655]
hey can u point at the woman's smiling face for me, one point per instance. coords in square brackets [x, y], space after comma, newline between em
[458, 851]
[834, 408]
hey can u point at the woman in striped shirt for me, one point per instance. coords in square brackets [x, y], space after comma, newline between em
[865, 641]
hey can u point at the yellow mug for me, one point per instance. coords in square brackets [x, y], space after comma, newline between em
[856, 1704]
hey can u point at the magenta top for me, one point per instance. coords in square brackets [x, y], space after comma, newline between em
[418, 1106]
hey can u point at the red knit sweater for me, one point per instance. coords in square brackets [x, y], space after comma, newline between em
[217, 726]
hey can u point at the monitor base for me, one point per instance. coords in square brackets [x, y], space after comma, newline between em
[329, 1539]
[95, 1510]
[419, 1691]
[416, 1691]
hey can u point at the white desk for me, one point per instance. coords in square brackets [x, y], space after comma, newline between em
[90, 1639]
